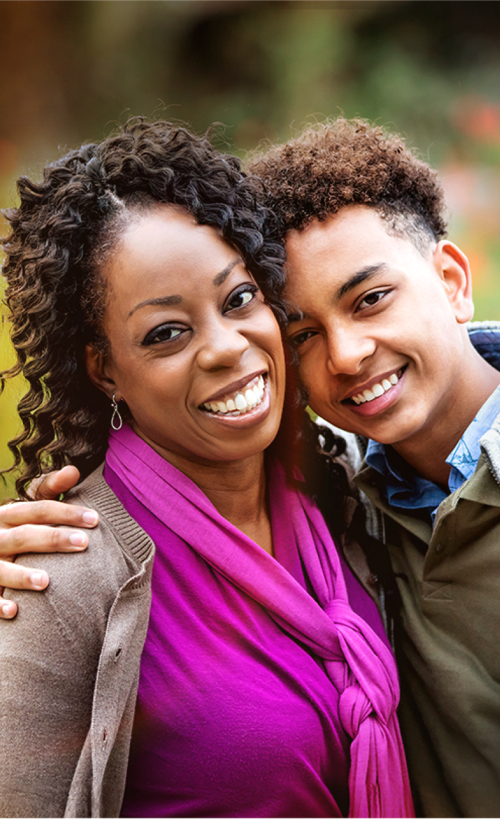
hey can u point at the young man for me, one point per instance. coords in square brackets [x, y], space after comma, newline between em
[378, 304]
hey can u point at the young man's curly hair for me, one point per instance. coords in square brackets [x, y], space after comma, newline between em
[346, 162]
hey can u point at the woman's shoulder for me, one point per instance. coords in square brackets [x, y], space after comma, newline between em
[119, 554]
[116, 527]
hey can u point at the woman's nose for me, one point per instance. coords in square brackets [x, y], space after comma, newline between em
[223, 345]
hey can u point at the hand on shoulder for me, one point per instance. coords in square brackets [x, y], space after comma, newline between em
[32, 526]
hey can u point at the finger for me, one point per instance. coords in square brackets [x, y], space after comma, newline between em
[50, 486]
[47, 512]
[13, 576]
[28, 538]
[8, 609]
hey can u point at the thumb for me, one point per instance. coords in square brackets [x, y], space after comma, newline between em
[50, 486]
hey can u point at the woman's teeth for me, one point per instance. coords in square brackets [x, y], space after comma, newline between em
[376, 390]
[241, 402]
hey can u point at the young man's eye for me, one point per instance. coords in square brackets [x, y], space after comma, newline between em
[166, 332]
[241, 297]
[371, 299]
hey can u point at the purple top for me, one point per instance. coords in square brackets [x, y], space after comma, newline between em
[234, 717]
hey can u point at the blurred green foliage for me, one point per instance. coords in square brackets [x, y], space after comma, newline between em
[429, 70]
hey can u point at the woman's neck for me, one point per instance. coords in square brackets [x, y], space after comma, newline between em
[238, 492]
[237, 489]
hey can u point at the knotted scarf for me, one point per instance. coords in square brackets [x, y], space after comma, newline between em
[357, 661]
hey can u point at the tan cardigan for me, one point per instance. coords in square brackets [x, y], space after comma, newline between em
[70, 667]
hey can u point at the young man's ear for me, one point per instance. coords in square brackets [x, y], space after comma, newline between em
[98, 371]
[453, 267]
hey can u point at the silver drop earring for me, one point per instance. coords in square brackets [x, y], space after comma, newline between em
[116, 419]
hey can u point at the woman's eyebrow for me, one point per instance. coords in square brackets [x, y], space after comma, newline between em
[162, 301]
[165, 301]
[222, 276]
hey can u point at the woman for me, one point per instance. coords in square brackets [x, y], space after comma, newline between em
[248, 672]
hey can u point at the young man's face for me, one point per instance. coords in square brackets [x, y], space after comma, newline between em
[381, 342]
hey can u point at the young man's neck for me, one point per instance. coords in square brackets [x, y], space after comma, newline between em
[427, 454]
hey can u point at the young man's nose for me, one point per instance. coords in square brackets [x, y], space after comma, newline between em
[348, 348]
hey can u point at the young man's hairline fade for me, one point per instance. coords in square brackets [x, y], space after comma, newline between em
[342, 162]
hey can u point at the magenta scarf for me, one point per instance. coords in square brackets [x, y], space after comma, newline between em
[359, 664]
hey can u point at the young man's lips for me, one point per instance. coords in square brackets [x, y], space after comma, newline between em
[374, 401]
[375, 387]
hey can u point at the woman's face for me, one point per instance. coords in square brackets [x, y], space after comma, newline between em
[195, 352]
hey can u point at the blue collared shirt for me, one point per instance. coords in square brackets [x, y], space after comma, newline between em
[403, 485]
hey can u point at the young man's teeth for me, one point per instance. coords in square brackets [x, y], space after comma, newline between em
[376, 390]
[241, 402]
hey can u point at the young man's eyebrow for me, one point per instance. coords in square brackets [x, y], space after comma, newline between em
[161, 301]
[222, 276]
[350, 284]
[358, 278]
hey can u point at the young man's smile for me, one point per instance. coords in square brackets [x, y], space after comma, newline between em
[377, 394]
[378, 326]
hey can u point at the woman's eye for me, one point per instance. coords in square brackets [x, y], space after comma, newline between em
[241, 297]
[164, 333]
[301, 338]
[371, 299]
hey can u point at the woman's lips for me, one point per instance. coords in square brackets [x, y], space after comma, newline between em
[240, 401]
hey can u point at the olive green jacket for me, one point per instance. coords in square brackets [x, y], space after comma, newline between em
[449, 640]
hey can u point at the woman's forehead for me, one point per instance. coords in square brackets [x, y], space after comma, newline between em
[166, 255]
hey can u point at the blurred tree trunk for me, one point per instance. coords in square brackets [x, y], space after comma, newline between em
[38, 40]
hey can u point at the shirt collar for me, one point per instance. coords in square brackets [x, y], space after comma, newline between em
[464, 457]
[405, 488]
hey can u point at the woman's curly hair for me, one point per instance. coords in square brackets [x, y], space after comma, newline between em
[63, 232]
[61, 235]
[344, 162]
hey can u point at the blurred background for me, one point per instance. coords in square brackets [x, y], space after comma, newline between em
[72, 69]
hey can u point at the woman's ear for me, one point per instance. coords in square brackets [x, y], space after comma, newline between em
[453, 267]
[97, 365]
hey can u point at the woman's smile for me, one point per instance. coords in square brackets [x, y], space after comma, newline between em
[238, 400]
[196, 353]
